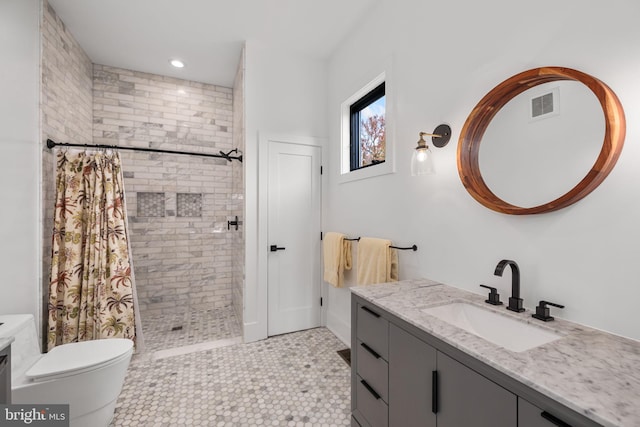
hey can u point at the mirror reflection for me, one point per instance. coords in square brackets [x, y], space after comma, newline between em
[542, 143]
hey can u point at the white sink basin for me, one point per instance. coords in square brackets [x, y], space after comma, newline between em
[494, 327]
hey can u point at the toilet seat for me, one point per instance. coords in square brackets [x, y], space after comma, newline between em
[75, 358]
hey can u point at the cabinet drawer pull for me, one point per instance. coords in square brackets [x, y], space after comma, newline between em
[371, 390]
[371, 312]
[553, 420]
[434, 392]
[370, 350]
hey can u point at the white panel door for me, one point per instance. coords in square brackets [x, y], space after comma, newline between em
[294, 237]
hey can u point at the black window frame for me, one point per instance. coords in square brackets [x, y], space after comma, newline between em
[354, 126]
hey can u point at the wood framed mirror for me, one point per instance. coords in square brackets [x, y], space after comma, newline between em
[490, 105]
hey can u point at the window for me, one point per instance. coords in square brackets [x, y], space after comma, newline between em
[361, 158]
[367, 131]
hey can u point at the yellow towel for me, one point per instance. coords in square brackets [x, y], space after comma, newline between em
[337, 258]
[377, 262]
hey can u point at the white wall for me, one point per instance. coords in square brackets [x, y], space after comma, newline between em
[19, 144]
[285, 95]
[446, 56]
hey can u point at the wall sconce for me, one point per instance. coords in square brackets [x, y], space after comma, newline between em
[421, 161]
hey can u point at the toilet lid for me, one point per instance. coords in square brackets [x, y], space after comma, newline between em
[79, 356]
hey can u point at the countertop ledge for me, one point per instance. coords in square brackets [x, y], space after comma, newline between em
[5, 342]
[592, 372]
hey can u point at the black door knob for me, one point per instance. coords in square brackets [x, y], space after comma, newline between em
[275, 248]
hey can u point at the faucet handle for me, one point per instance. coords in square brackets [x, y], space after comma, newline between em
[542, 311]
[494, 296]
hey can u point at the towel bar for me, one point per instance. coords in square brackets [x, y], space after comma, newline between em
[413, 248]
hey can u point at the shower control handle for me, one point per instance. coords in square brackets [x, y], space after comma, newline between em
[275, 248]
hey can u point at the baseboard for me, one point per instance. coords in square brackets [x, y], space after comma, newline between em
[340, 328]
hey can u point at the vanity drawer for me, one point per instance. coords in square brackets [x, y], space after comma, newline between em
[373, 329]
[373, 408]
[532, 416]
[374, 370]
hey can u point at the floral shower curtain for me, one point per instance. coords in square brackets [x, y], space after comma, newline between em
[91, 290]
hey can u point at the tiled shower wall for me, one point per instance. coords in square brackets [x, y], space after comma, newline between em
[178, 205]
[66, 113]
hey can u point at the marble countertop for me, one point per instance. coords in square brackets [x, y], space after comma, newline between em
[592, 372]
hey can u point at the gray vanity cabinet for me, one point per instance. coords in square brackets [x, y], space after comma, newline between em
[411, 367]
[398, 380]
[369, 368]
[466, 398]
[462, 397]
[397, 368]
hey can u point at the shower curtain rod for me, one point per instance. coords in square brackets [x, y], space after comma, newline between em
[51, 143]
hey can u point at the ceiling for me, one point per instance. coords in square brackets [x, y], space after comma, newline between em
[207, 35]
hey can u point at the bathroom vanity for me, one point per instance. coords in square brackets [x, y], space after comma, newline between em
[411, 367]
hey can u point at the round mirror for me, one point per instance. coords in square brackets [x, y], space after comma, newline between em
[549, 137]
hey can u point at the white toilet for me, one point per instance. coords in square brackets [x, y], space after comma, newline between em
[86, 375]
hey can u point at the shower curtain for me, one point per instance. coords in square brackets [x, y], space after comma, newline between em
[91, 289]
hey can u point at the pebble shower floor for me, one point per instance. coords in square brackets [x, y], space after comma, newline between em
[296, 379]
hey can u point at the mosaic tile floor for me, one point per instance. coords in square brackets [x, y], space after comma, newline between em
[296, 379]
[196, 327]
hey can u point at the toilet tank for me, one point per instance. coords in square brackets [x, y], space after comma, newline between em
[25, 349]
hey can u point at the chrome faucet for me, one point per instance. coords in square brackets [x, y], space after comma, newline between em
[515, 302]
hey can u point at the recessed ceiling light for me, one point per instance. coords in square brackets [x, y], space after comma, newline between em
[176, 63]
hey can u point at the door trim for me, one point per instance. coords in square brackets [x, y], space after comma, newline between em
[260, 331]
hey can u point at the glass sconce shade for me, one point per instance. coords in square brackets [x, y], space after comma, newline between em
[422, 162]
